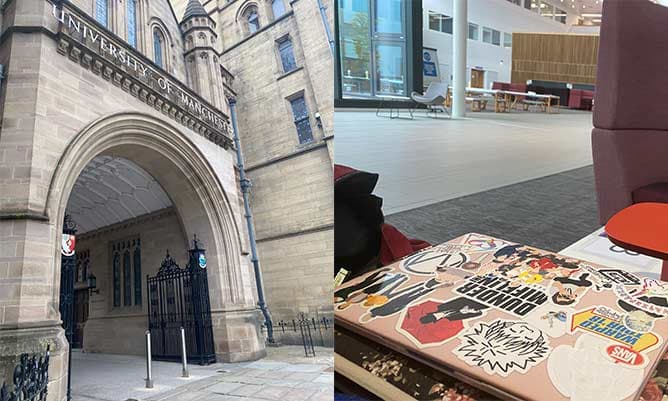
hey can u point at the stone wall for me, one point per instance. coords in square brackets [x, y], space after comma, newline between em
[291, 198]
[120, 330]
[150, 14]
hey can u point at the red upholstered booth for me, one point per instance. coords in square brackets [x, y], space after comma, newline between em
[500, 85]
[580, 99]
[630, 135]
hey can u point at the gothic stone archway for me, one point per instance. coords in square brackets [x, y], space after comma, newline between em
[203, 207]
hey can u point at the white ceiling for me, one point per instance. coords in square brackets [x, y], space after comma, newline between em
[111, 190]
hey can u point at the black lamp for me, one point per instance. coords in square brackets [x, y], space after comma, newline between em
[92, 284]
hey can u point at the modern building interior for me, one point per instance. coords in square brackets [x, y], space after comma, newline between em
[524, 119]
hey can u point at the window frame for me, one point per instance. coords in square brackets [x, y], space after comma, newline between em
[299, 120]
[507, 44]
[273, 9]
[97, 6]
[254, 22]
[286, 41]
[131, 28]
[477, 31]
[159, 44]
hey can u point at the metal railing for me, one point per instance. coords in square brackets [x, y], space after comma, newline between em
[31, 378]
[304, 330]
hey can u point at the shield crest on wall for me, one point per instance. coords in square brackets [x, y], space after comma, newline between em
[67, 245]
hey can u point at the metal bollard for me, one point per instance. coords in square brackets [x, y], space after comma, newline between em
[184, 357]
[149, 373]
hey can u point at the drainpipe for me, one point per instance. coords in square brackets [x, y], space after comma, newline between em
[245, 189]
[328, 31]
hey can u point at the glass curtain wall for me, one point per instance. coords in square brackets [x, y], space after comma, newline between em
[373, 48]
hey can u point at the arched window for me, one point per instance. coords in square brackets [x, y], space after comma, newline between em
[253, 20]
[132, 22]
[137, 273]
[101, 10]
[158, 44]
[127, 279]
[278, 8]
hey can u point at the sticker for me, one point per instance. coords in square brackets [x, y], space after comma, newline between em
[567, 291]
[484, 243]
[603, 325]
[67, 245]
[639, 321]
[500, 293]
[377, 293]
[202, 261]
[503, 347]
[398, 299]
[618, 276]
[601, 282]
[652, 298]
[584, 372]
[625, 355]
[340, 277]
[552, 320]
[372, 278]
[435, 322]
[435, 259]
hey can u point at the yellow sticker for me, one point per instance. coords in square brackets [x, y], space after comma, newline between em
[340, 277]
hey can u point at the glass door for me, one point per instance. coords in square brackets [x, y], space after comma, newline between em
[373, 48]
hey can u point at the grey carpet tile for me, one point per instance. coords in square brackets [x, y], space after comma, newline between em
[550, 212]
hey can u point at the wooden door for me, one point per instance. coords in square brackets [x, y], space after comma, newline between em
[477, 78]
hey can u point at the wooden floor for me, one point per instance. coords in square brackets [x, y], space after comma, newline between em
[424, 161]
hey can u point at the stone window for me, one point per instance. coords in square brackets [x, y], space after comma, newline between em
[158, 47]
[252, 20]
[126, 270]
[301, 119]
[132, 22]
[83, 266]
[278, 8]
[102, 12]
[287, 55]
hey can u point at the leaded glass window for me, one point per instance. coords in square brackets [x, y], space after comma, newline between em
[157, 47]
[117, 277]
[278, 8]
[101, 11]
[127, 274]
[127, 279]
[287, 55]
[253, 20]
[137, 271]
[301, 118]
[132, 22]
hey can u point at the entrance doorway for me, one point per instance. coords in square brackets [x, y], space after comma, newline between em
[477, 78]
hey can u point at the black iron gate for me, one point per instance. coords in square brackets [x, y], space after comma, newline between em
[180, 298]
[67, 268]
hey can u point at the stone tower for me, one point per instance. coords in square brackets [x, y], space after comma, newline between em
[202, 62]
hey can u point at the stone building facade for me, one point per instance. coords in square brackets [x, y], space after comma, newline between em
[278, 52]
[116, 113]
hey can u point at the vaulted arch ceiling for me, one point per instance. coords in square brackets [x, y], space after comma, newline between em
[111, 190]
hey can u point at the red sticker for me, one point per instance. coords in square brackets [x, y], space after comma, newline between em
[625, 355]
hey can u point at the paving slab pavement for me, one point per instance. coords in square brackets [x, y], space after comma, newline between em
[285, 374]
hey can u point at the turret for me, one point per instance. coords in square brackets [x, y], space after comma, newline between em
[202, 62]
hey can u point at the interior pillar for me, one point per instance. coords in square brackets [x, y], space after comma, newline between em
[459, 37]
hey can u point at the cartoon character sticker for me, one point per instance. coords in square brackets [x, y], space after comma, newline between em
[552, 320]
[503, 347]
[434, 322]
[397, 299]
[568, 290]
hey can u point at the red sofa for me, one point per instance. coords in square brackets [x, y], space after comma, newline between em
[630, 134]
[580, 99]
[501, 85]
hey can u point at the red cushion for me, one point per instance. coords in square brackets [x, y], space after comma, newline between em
[651, 193]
